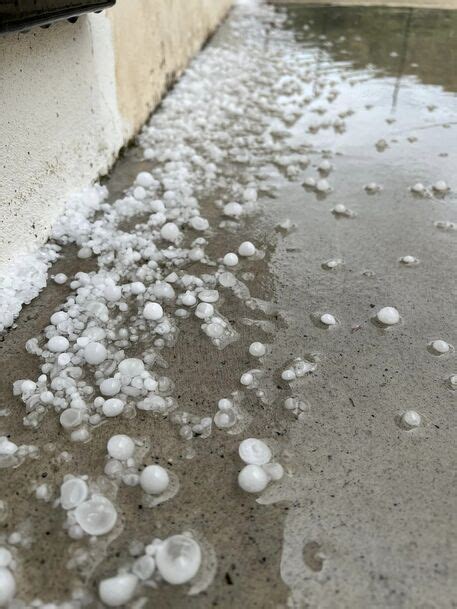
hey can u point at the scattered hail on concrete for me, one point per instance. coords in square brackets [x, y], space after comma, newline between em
[159, 268]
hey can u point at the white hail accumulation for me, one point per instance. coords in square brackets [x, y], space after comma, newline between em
[221, 114]
[221, 131]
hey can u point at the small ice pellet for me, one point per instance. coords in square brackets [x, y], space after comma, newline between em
[84, 252]
[7, 587]
[328, 319]
[144, 567]
[254, 452]
[204, 310]
[253, 479]
[388, 316]
[188, 299]
[441, 346]
[323, 186]
[411, 418]
[60, 278]
[208, 295]
[325, 166]
[257, 349]
[110, 386]
[230, 259]
[131, 366]
[117, 591]
[223, 419]
[170, 232]
[121, 447]
[372, 187]
[154, 479]
[246, 379]
[288, 375]
[333, 263]
[274, 471]
[144, 179]
[246, 249]
[71, 418]
[5, 557]
[214, 330]
[440, 186]
[112, 292]
[153, 311]
[139, 193]
[418, 188]
[199, 223]
[340, 209]
[178, 559]
[7, 447]
[95, 353]
[73, 492]
[408, 260]
[113, 407]
[233, 210]
[58, 344]
[225, 404]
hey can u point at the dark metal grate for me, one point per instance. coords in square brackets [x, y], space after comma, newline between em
[16, 15]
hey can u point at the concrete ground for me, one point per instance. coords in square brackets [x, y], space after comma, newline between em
[365, 514]
[437, 4]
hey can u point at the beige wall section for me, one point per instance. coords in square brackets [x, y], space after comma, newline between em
[72, 95]
[167, 34]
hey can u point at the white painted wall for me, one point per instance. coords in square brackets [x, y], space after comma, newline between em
[59, 123]
[73, 94]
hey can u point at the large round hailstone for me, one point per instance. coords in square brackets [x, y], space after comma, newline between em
[97, 516]
[230, 259]
[131, 366]
[154, 479]
[153, 311]
[121, 447]
[58, 344]
[7, 587]
[388, 316]
[253, 479]
[169, 232]
[254, 451]
[110, 387]
[113, 407]
[118, 590]
[95, 353]
[246, 249]
[178, 559]
[73, 492]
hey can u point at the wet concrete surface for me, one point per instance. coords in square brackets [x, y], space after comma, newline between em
[365, 516]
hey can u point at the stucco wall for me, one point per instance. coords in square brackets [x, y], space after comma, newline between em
[167, 33]
[73, 94]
